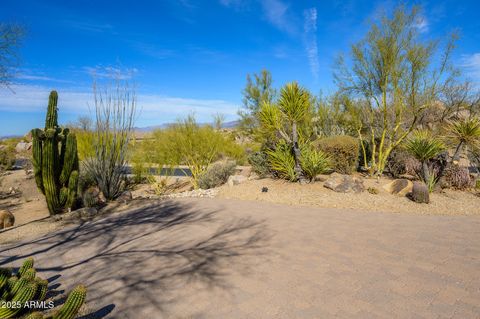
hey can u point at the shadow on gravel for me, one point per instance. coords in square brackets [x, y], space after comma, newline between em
[148, 257]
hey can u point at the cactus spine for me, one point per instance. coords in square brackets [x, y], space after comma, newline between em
[55, 161]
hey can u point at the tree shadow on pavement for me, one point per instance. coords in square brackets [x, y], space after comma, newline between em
[143, 260]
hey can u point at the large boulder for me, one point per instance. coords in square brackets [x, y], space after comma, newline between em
[236, 180]
[344, 183]
[399, 187]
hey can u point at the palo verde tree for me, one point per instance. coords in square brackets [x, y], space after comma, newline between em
[394, 76]
[257, 91]
[288, 119]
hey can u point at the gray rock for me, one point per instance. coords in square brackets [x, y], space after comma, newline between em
[23, 147]
[125, 197]
[399, 187]
[84, 213]
[420, 193]
[236, 180]
[344, 183]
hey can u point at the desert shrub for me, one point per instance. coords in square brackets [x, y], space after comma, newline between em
[477, 184]
[401, 162]
[260, 164]
[313, 162]
[457, 177]
[216, 174]
[7, 157]
[373, 190]
[344, 151]
[282, 162]
[85, 140]
[188, 143]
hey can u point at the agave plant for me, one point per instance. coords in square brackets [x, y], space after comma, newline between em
[464, 132]
[424, 147]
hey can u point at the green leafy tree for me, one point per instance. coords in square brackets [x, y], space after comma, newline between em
[257, 91]
[395, 76]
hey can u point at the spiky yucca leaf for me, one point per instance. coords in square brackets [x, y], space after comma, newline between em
[424, 146]
[282, 161]
[294, 102]
[465, 131]
[314, 162]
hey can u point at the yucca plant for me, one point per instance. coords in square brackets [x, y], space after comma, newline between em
[282, 161]
[465, 132]
[284, 118]
[314, 162]
[424, 147]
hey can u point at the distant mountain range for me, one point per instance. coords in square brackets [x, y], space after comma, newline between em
[9, 136]
[147, 129]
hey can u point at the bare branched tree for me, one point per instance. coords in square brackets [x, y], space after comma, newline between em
[115, 105]
[10, 40]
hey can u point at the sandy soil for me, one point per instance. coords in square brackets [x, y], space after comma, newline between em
[32, 219]
[449, 202]
[250, 259]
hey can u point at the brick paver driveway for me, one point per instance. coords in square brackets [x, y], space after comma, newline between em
[210, 258]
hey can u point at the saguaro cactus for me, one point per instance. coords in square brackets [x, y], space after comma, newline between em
[55, 161]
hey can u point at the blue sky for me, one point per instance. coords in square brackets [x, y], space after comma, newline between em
[193, 56]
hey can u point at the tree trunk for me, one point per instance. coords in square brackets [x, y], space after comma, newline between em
[425, 172]
[296, 154]
[456, 155]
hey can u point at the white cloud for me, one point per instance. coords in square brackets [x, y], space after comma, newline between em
[471, 63]
[276, 13]
[108, 72]
[310, 29]
[422, 24]
[155, 108]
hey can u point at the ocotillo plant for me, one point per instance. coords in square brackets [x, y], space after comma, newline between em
[55, 161]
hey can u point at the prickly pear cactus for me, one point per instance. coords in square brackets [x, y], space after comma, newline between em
[55, 161]
[18, 290]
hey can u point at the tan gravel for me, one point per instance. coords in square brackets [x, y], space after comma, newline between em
[449, 202]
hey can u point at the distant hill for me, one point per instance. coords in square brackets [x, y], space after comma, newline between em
[6, 137]
[147, 129]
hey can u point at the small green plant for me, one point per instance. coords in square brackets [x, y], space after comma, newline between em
[7, 157]
[159, 187]
[25, 286]
[282, 162]
[477, 184]
[55, 161]
[216, 174]
[373, 190]
[259, 163]
[344, 149]
[313, 162]
[424, 147]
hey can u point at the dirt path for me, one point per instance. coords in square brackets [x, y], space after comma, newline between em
[213, 258]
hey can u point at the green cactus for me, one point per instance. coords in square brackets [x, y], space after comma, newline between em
[34, 315]
[24, 287]
[74, 301]
[23, 295]
[27, 264]
[55, 161]
[30, 274]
